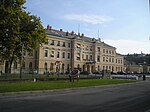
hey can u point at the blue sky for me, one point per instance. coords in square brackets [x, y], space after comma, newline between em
[124, 24]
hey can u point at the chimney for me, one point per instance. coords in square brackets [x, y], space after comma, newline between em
[61, 30]
[72, 33]
[49, 27]
[67, 33]
[82, 35]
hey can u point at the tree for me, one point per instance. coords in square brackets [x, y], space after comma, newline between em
[18, 29]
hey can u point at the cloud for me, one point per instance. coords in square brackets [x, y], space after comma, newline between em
[89, 18]
[129, 46]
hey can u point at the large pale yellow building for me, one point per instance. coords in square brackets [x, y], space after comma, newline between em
[65, 51]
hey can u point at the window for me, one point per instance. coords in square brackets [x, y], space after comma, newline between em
[109, 59]
[82, 56]
[86, 57]
[58, 44]
[98, 49]
[52, 54]
[57, 54]
[121, 61]
[103, 59]
[78, 56]
[69, 45]
[52, 42]
[68, 55]
[46, 53]
[109, 51]
[64, 44]
[112, 52]
[98, 58]
[116, 60]
[103, 50]
[90, 57]
[112, 59]
[63, 55]
[106, 51]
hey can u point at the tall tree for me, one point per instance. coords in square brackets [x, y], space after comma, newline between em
[18, 29]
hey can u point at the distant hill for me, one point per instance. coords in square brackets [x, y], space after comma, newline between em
[132, 59]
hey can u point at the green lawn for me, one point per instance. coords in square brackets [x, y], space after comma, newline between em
[50, 85]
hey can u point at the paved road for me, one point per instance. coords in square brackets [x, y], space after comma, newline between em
[121, 98]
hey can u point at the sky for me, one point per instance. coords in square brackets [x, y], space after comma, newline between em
[124, 24]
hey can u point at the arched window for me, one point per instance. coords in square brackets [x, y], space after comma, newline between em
[51, 66]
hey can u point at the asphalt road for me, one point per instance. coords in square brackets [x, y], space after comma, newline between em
[119, 98]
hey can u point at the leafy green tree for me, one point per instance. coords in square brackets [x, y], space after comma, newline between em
[18, 30]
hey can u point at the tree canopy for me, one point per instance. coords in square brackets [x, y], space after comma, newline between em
[18, 28]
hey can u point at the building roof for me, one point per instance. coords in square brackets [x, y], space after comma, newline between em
[72, 35]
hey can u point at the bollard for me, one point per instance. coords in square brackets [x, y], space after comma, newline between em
[35, 80]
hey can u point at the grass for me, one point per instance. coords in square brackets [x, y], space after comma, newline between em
[50, 85]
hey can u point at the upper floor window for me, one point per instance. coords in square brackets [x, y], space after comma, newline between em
[103, 59]
[91, 57]
[63, 55]
[86, 57]
[82, 56]
[52, 54]
[112, 59]
[103, 50]
[52, 42]
[64, 44]
[58, 44]
[106, 51]
[109, 51]
[45, 53]
[112, 52]
[57, 54]
[109, 59]
[69, 45]
[98, 58]
[68, 55]
[98, 49]
[78, 56]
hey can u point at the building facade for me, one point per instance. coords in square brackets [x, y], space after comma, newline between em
[65, 51]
